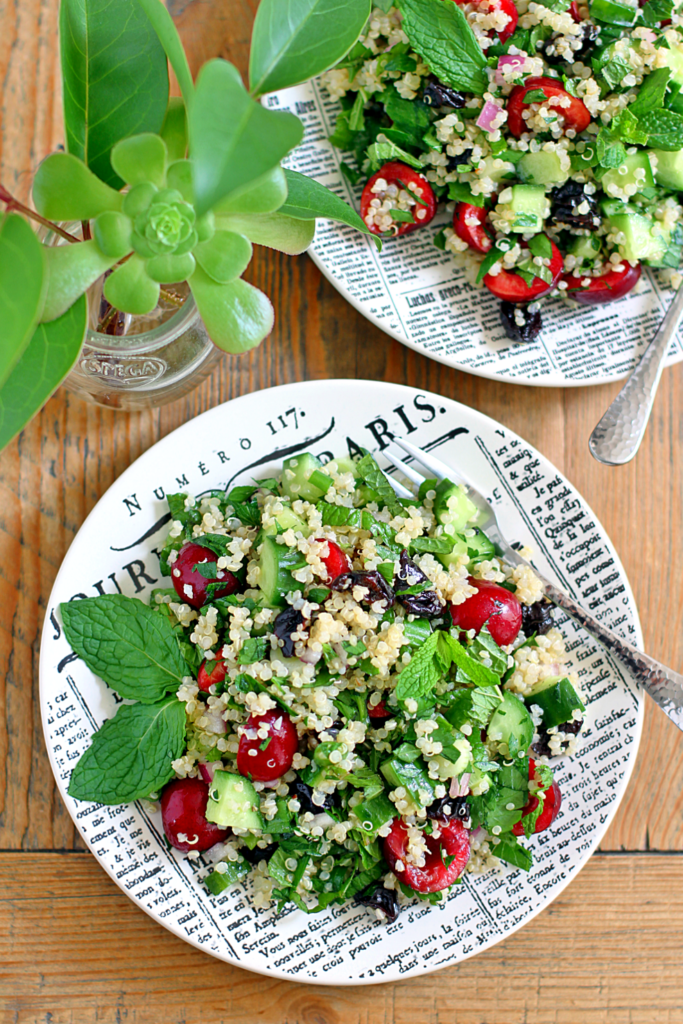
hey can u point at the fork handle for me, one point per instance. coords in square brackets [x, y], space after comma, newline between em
[663, 684]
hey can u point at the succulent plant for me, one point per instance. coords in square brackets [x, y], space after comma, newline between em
[182, 199]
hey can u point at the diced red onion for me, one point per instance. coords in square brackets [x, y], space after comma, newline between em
[459, 787]
[216, 853]
[310, 657]
[489, 113]
[207, 770]
[509, 60]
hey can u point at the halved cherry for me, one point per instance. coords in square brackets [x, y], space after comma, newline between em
[493, 606]
[511, 287]
[574, 11]
[183, 815]
[190, 585]
[379, 710]
[436, 875]
[211, 672]
[264, 758]
[336, 562]
[605, 288]
[507, 6]
[475, 235]
[574, 112]
[396, 173]
[551, 806]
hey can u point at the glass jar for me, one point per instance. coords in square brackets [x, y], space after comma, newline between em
[151, 360]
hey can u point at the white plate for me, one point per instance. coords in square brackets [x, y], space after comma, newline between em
[415, 293]
[247, 437]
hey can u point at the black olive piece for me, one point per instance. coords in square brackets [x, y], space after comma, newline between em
[425, 605]
[591, 36]
[449, 808]
[436, 94]
[542, 746]
[373, 581]
[258, 853]
[524, 332]
[564, 206]
[286, 623]
[304, 793]
[537, 618]
[378, 898]
[455, 161]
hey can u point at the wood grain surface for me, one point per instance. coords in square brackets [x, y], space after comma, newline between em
[73, 947]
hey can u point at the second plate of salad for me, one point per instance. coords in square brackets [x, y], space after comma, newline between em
[522, 164]
[320, 730]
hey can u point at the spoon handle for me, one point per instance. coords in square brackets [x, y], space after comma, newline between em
[616, 438]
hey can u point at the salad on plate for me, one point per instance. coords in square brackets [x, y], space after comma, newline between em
[345, 695]
[552, 130]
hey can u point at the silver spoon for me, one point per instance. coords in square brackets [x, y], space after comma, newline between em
[617, 437]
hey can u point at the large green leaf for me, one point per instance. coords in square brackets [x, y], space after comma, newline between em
[22, 283]
[115, 78]
[265, 195]
[308, 199]
[233, 139]
[50, 354]
[236, 315]
[294, 40]
[70, 270]
[286, 234]
[64, 189]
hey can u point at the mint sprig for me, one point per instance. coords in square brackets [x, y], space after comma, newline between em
[442, 36]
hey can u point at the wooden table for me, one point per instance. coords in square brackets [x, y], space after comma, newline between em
[72, 947]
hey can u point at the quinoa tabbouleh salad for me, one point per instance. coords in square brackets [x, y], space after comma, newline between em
[552, 129]
[345, 693]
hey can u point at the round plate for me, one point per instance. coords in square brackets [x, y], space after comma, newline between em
[415, 293]
[247, 438]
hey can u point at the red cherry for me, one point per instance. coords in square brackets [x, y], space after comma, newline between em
[493, 605]
[336, 562]
[551, 806]
[396, 173]
[189, 584]
[183, 814]
[274, 752]
[211, 672]
[605, 288]
[454, 841]
[378, 710]
[474, 234]
[575, 114]
[511, 287]
[574, 11]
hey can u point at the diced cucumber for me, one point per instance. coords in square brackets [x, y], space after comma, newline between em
[277, 563]
[530, 205]
[635, 170]
[477, 548]
[669, 168]
[452, 507]
[511, 725]
[233, 802]
[541, 168]
[373, 814]
[643, 238]
[345, 464]
[233, 871]
[295, 477]
[289, 663]
[556, 698]
[585, 248]
[495, 168]
[287, 520]
[673, 59]
[412, 778]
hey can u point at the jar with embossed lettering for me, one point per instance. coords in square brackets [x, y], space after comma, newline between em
[138, 362]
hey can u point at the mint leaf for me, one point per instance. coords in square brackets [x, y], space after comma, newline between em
[130, 756]
[248, 513]
[625, 126]
[611, 152]
[485, 642]
[651, 92]
[217, 881]
[434, 545]
[484, 703]
[664, 128]
[462, 193]
[511, 850]
[540, 245]
[452, 650]
[253, 649]
[529, 820]
[422, 673]
[656, 11]
[441, 34]
[125, 643]
[369, 472]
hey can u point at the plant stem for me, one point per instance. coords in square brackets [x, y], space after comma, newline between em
[14, 204]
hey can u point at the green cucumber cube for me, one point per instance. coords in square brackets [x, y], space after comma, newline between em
[542, 168]
[530, 206]
[669, 169]
[635, 170]
[233, 802]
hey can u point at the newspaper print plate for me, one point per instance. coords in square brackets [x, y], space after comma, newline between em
[114, 551]
[415, 293]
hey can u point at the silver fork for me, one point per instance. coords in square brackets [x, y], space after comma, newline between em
[663, 684]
